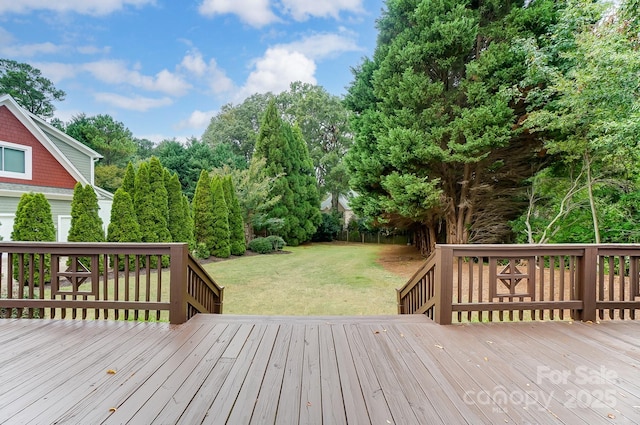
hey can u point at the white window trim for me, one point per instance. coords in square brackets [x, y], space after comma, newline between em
[27, 175]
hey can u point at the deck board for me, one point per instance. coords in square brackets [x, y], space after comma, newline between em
[335, 370]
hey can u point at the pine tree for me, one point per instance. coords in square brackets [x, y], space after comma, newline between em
[236, 224]
[186, 206]
[33, 222]
[86, 224]
[151, 202]
[220, 231]
[123, 226]
[178, 215]
[287, 160]
[203, 213]
[142, 201]
[306, 208]
[129, 180]
[159, 201]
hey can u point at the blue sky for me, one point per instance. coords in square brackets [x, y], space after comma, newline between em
[165, 67]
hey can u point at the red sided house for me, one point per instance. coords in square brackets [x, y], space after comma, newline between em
[37, 157]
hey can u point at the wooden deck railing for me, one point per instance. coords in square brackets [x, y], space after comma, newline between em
[465, 283]
[121, 281]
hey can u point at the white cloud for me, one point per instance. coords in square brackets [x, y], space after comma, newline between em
[194, 62]
[320, 46]
[84, 7]
[197, 120]
[116, 72]
[29, 50]
[135, 103]
[302, 9]
[214, 77]
[93, 50]
[276, 70]
[256, 13]
[56, 71]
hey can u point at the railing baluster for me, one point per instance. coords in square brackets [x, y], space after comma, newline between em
[90, 293]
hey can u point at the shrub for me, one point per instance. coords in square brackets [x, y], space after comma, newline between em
[33, 222]
[261, 245]
[202, 251]
[277, 243]
[331, 225]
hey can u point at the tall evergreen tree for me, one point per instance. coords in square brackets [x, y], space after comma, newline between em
[220, 231]
[129, 180]
[203, 212]
[178, 215]
[86, 224]
[236, 224]
[151, 202]
[123, 226]
[33, 222]
[142, 203]
[186, 206]
[306, 207]
[438, 118]
[287, 159]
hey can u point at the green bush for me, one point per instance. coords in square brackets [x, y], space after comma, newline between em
[277, 243]
[329, 228]
[33, 222]
[261, 245]
[202, 251]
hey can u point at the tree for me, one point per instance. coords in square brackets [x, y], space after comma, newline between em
[203, 217]
[29, 88]
[285, 155]
[109, 177]
[237, 126]
[592, 122]
[322, 118]
[86, 224]
[178, 215]
[33, 222]
[188, 160]
[324, 124]
[254, 193]
[144, 148]
[237, 240]
[439, 142]
[129, 180]
[159, 203]
[142, 202]
[220, 231]
[105, 135]
[123, 226]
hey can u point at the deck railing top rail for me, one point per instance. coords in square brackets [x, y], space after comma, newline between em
[139, 281]
[460, 283]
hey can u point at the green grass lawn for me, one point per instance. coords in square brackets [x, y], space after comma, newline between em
[315, 279]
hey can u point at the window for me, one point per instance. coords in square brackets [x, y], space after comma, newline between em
[15, 161]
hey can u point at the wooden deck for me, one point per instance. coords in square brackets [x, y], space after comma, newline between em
[318, 370]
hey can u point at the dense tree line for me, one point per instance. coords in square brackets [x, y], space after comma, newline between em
[467, 105]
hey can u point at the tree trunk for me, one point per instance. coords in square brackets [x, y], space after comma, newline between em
[592, 202]
[425, 238]
[459, 214]
[335, 198]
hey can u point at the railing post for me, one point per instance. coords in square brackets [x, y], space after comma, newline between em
[178, 282]
[587, 278]
[443, 284]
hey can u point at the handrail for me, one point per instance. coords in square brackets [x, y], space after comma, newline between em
[84, 280]
[465, 283]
